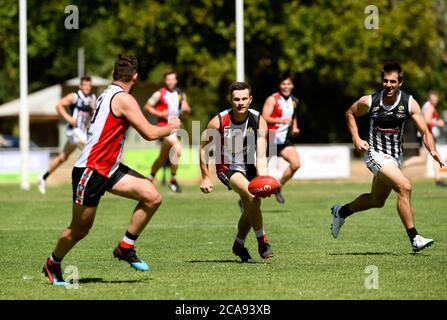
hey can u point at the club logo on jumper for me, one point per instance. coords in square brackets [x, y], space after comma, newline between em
[375, 109]
[250, 131]
[401, 109]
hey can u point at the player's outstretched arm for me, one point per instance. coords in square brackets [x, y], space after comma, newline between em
[125, 105]
[357, 109]
[206, 185]
[62, 106]
[426, 135]
[261, 148]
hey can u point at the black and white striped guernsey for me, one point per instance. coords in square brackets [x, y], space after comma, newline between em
[387, 123]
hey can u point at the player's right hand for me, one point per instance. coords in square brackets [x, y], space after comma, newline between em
[73, 121]
[206, 186]
[361, 145]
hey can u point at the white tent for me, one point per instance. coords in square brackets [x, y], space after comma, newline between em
[43, 102]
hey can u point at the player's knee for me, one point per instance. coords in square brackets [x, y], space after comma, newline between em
[294, 166]
[62, 157]
[378, 203]
[153, 200]
[404, 188]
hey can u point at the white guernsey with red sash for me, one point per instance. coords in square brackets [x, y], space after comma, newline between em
[106, 136]
[284, 108]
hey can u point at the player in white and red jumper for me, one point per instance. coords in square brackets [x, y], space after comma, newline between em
[99, 169]
[164, 103]
[280, 112]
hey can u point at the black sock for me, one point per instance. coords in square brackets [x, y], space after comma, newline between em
[412, 233]
[344, 211]
[56, 259]
[131, 236]
[45, 176]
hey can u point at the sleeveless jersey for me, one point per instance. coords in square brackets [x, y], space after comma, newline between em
[238, 142]
[81, 110]
[105, 138]
[170, 101]
[387, 124]
[283, 109]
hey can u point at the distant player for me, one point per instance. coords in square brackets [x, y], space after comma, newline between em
[164, 103]
[431, 116]
[76, 109]
[242, 157]
[280, 112]
[388, 109]
[99, 169]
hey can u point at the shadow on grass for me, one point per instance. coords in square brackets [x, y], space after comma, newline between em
[101, 280]
[364, 254]
[225, 261]
[276, 211]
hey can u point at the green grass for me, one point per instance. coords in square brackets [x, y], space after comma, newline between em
[188, 245]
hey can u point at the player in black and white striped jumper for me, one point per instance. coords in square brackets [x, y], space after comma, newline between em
[388, 110]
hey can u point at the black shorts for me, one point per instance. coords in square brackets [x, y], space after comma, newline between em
[225, 176]
[89, 186]
[280, 147]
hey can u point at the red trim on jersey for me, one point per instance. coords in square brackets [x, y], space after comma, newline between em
[225, 122]
[162, 105]
[105, 152]
[277, 111]
[434, 116]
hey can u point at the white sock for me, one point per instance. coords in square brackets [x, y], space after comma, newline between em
[259, 233]
[128, 241]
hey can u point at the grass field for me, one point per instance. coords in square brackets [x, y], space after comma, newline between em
[188, 245]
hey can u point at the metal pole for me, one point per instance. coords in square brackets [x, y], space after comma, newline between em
[81, 62]
[24, 113]
[240, 67]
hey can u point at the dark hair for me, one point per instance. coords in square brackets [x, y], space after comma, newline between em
[125, 68]
[239, 86]
[393, 66]
[433, 92]
[85, 78]
[284, 76]
[167, 73]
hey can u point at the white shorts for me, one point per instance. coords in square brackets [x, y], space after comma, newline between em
[76, 136]
[376, 160]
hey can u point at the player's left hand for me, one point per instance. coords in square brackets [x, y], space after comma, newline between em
[437, 158]
[206, 186]
[296, 132]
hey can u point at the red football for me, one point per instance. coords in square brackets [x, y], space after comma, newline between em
[263, 186]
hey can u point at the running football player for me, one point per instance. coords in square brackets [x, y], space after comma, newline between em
[388, 110]
[168, 101]
[240, 134]
[99, 169]
[76, 109]
[280, 112]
